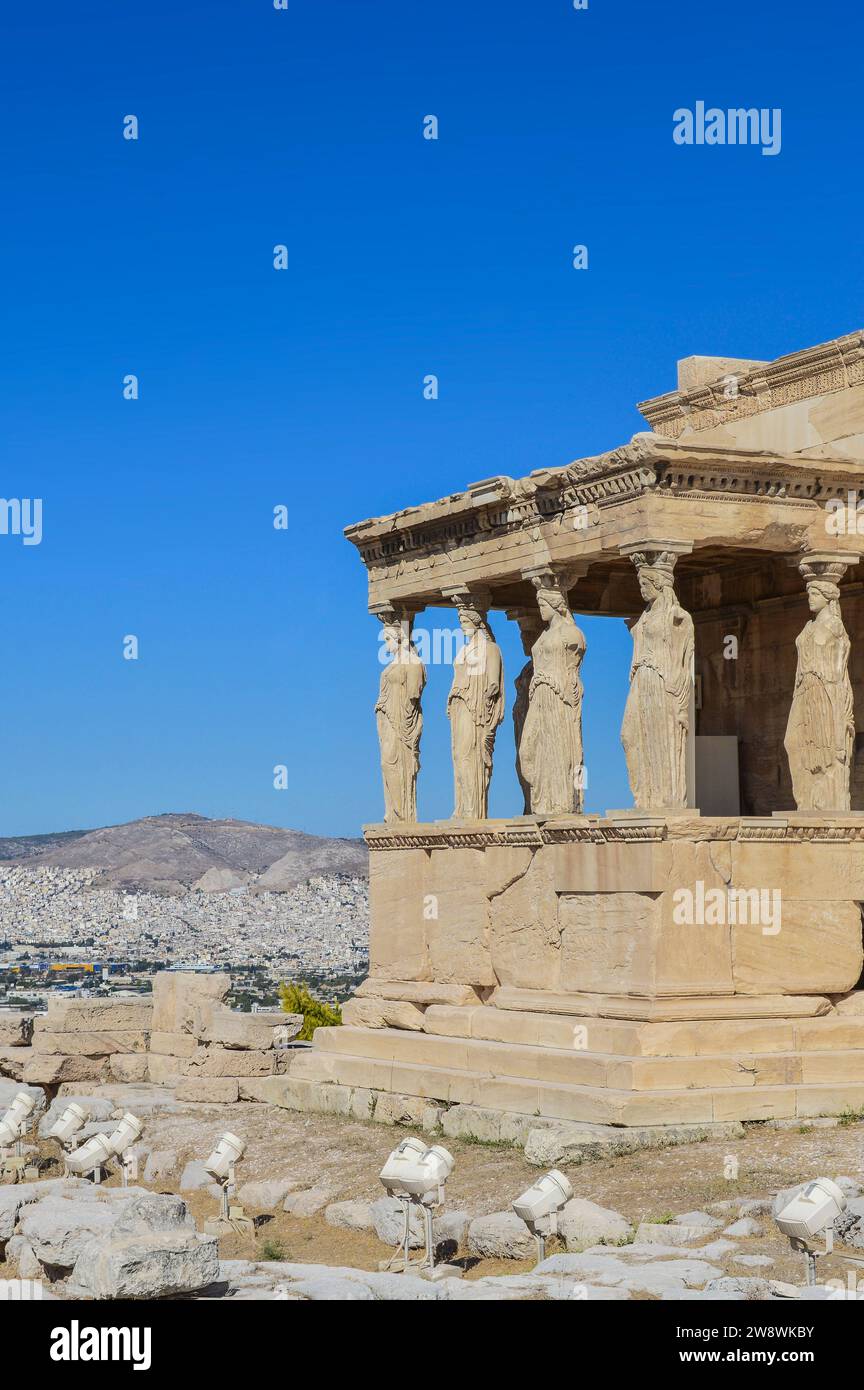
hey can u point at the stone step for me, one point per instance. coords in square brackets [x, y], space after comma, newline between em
[714, 1037]
[587, 1104]
[663, 1009]
[584, 1068]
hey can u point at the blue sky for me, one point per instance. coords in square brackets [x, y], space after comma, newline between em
[304, 387]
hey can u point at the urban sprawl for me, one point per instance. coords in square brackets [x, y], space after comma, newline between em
[60, 931]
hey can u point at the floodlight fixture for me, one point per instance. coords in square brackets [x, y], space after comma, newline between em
[221, 1167]
[65, 1128]
[540, 1206]
[415, 1174]
[809, 1214]
[96, 1154]
[13, 1126]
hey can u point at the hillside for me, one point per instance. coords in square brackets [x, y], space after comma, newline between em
[170, 852]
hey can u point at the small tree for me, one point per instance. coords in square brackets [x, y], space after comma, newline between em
[297, 999]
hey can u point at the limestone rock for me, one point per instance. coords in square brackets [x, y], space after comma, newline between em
[388, 1221]
[214, 1060]
[59, 1228]
[349, 1216]
[583, 1223]
[148, 1266]
[46, 1069]
[308, 1203]
[182, 1001]
[383, 1013]
[256, 1032]
[746, 1226]
[265, 1194]
[98, 1015]
[502, 1236]
[161, 1163]
[16, 1030]
[129, 1067]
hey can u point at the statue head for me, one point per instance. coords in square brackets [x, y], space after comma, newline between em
[552, 604]
[655, 571]
[821, 593]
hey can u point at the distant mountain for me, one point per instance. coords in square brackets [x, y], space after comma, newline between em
[171, 852]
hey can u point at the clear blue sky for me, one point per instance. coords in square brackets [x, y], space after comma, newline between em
[304, 387]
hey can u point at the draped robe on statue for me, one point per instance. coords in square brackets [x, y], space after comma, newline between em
[400, 723]
[550, 751]
[656, 716]
[520, 710]
[475, 707]
[820, 735]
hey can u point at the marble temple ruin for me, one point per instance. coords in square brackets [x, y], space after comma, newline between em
[696, 957]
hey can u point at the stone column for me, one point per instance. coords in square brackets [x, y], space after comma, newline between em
[820, 734]
[398, 713]
[475, 705]
[658, 720]
[530, 627]
[550, 750]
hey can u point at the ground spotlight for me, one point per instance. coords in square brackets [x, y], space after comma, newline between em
[541, 1205]
[221, 1167]
[809, 1214]
[13, 1127]
[93, 1157]
[415, 1174]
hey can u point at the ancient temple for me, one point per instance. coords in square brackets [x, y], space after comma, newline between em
[696, 957]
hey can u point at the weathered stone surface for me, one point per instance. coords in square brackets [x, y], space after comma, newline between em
[583, 1223]
[13, 1061]
[99, 1015]
[90, 1043]
[164, 1071]
[309, 1203]
[383, 1013]
[218, 1090]
[195, 1176]
[349, 1216]
[501, 1236]
[129, 1067]
[46, 1069]
[388, 1220]
[173, 1044]
[148, 1266]
[59, 1228]
[16, 1030]
[256, 1032]
[182, 1001]
[266, 1194]
[214, 1060]
[670, 1234]
[160, 1163]
[746, 1226]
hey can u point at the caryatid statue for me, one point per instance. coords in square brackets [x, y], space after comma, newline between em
[657, 713]
[820, 735]
[550, 750]
[530, 627]
[400, 719]
[475, 706]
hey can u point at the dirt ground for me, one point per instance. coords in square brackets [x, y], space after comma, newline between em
[346, 1157]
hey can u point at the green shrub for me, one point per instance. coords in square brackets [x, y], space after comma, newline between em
[297, 999]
